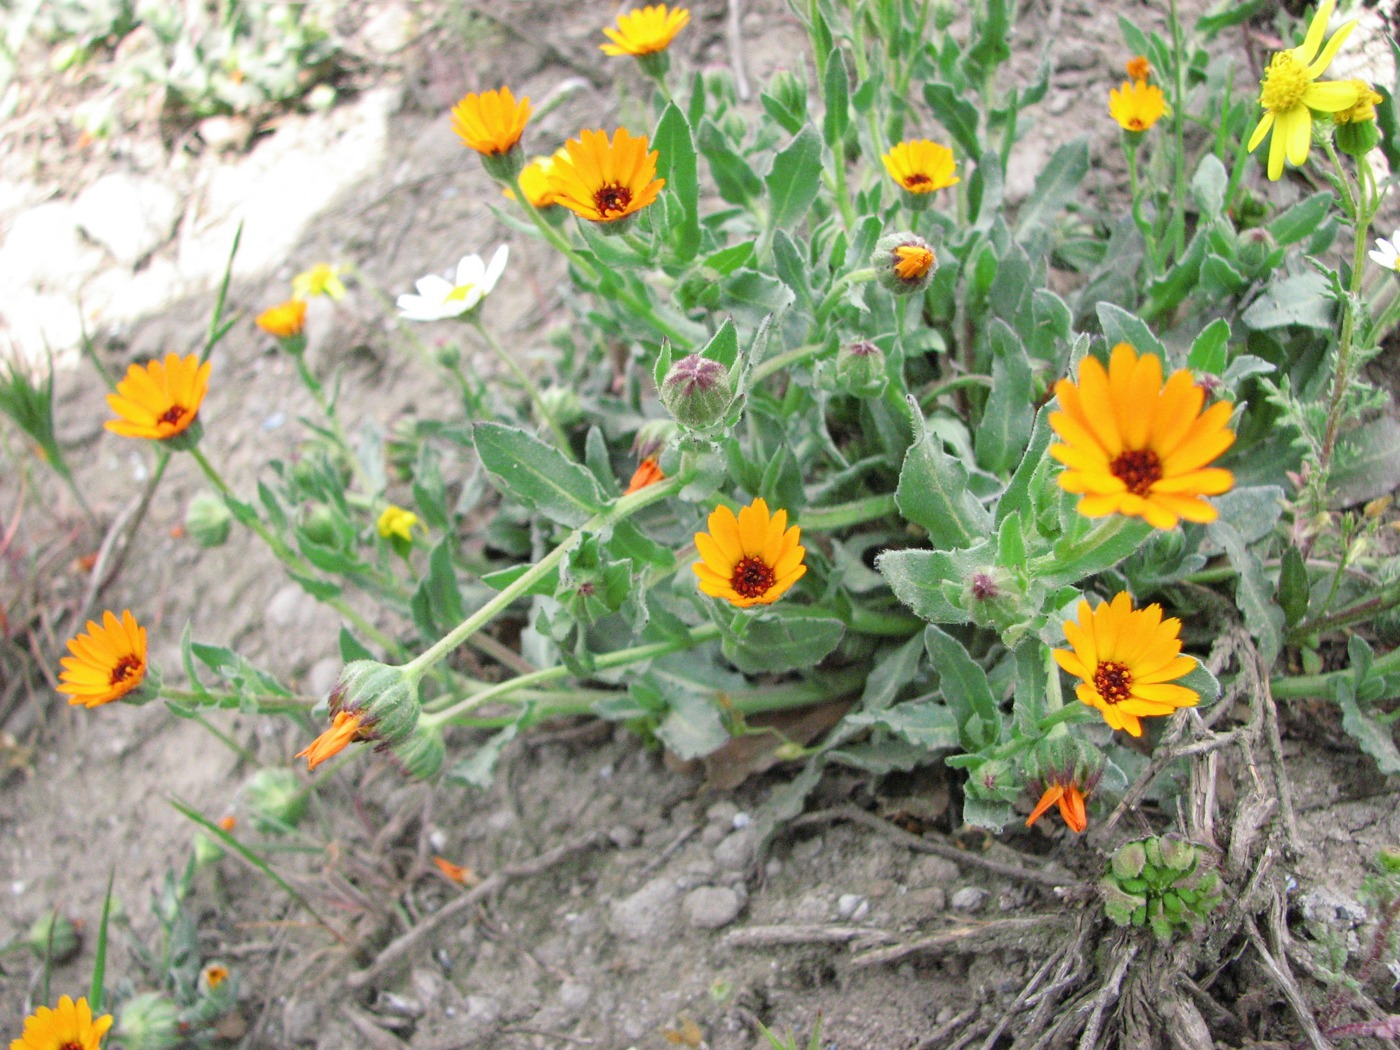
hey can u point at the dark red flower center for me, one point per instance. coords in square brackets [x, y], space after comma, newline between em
[1139, 469]
[752, 577]
[126, 668]
[174, 415]
[1113, 682]
[917, 179]
[612, 200]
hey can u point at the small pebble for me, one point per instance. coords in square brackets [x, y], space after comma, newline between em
[623, 836]
[737, 850]
[710, 907]
[741, 820]
[852, 907]
[970, 898]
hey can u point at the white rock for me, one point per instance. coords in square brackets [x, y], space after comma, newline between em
[970, 898]
[852, 907]
[129, 215]
[44, 250]
[710, 907]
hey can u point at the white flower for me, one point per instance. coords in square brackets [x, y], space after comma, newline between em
[1387, 252]
[439, 298]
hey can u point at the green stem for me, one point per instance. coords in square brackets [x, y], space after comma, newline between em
[267, 703]
[1303, 687]
[937, 390]
[620, 510]
[838, 289]
[1144, 227]
[560, 437]
[1361, 224]
[770, 365]
[318, 395]
[883, 624]
[1387, 598]
[840, 515]
[1177, 230]
[1091, 540]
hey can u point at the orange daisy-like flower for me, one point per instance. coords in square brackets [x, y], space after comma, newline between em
[645, 32]
[70, 1026]
[604, 181]
[751, 559]
[648, 472]
[921, 166]
[914, 263]
[1138, 68]
[160, 400]
[1127, 660]
[283, 320]
[344, 730]
[1136, 446]
[491, 122]
[1136, 105]
[108, 661]
[1071, 802]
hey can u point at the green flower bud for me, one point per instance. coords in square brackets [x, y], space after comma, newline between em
[563, 404]
[149, 1021]
[318, 523]
[373, 701]
[449, 355]
[54, 936]
[995, 780]
[697, 392]
[787, 89]
[207, 520]
[1129, 860]
[275, 798]
[860, 369]
[904, 263]
[1358, 138]
[421, 753]
[1257, 252]
[218, 992]
[653, 437]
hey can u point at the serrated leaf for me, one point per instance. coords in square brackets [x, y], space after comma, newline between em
[1056, 185]
[677, 164]
[783, 641]
[1372, 737]
[929, 582]
[536, 474]
[1252, 510]
[1300, 300]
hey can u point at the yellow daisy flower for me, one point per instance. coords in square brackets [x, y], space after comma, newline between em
[1127, 660]
[1364, 108]
[751, 559]
[534, 180]
[108, 661]
[1136, 105]
[1136, 446]
[395, 521]
[492, 122]
[921, 166]
[645, 32]
[283, 320]
[321, 279]
[160, 400]
[604, 181]
[69, 1027]
[1290, 91]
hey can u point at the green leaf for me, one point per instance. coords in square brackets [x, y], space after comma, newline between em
[1293, 589]
[1301, 300]
[964, 686]
[951, 109]
[352, 649]
[1372, 737]
[1303, 219]
[1056, 185]
[1006, 420]
[788, 641]
[537, 475]
[1367, 464]
[1200, 681]
[1119, 326]
[795, 179]
[1017, 496]
[1253, 595]
[933, 492]
[437, 603]
[479, 768]
[991, 48]
[1251, 510]
[732, 175]
[693, 727]
[1227, 14]
[1106, 555]
[1210, 351]
[727, 260]
[1209, 184]
[891, 673]
[925, 724]
[986, 813]
[677, 164]
[931, 582]
[836, 93]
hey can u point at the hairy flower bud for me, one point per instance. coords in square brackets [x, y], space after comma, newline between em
[373, 701]
[275, 798]
[904, 263]
[698, 392]
[421, 753]
[1257, 252]
[149, 1021]
[208, 520]
[787, 89]
[860, 369]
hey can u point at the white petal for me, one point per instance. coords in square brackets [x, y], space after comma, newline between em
[497, 267]
[434, 287]
[470, 270]
[416, 308]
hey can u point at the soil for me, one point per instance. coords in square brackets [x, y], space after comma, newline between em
[627, 901]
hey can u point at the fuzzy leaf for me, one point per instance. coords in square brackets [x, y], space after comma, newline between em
[795, 179]
[538, 475]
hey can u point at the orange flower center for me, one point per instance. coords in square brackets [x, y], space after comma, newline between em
[917, 179]
[1139, 469]
[71, 1046]
[752, 577]
[1136, 123]
[612, 199]
[127, 667]
[1113, 682]
[173, 415]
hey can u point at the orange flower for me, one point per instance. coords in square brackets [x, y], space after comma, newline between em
[344, 730]
[1136, 105]
[604, 181]
[69, 1027]
[108, 662]
[645, 32]
[1069, 798]
[491, 122]
[914, 262]
[647, 473]
[283, 320]
[457, 873]
[1138, 68]
[751, 559]
[160, 400]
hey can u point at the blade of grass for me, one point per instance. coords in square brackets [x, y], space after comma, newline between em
[218, 328]
[232, 844]
[99, 964]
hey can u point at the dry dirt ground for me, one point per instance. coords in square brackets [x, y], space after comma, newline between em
[626, 894]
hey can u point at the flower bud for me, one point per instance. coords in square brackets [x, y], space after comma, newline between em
[275, 798]
[653, 437]
[421, 753]
[505, 167]
[318, 523]
[904, 263]
[1257, 252]
[562, 403]
[373, 701]
[208, 520]
[995, 780]
[788, 90]
[55, 937]
[698, 392]
[860, 369]
[149, 1021]
[1358, 138]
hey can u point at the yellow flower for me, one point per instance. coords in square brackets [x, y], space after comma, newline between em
[395, 521]
[344, 730]
[1138, 68]
[645, 32]
[69, 1027]
[160, 400]
[492, 122]
[108, 661]
[915, 261]
[1136, 446]
[321, 279]
[1365, 107]
[921, 166]
[604, 181]
[1290, 91]
[283, 320]
[1127, 660]
[534, 180]
[1136, 105]
[749, 560]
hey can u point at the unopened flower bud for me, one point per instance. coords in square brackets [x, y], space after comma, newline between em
[373, 701]
[563, 404]
[208, 520]
[149, 1021]
[697, 391]
[275, 798]
[860, 369]
[995, 780]
[904, 263]
[652, 438]
[1357, 133]
[1257, 252]
[55, 937]
[318, 523]
[788, 90]
[421, 753]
